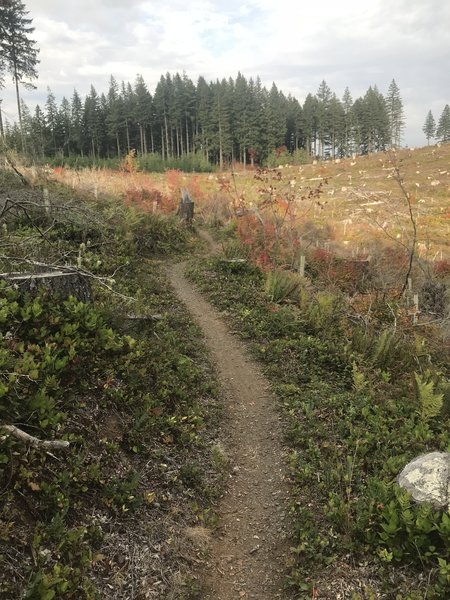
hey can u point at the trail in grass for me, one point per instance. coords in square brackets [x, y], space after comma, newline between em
[249, 552]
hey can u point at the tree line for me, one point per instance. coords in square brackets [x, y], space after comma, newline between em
[439, 131]
[18, 52]
[223, 120]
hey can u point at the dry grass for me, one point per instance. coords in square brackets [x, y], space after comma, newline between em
[360, 201]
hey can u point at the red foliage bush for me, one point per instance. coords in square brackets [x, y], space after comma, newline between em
[147, 200]
[174, 180]
[442, 267]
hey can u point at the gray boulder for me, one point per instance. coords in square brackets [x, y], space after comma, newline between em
[427, 478]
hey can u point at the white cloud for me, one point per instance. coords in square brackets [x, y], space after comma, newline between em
[292, 42]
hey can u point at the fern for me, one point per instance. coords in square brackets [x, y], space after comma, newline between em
[430, 402]
[281, 285]
[235, 249]
[359, 380]
[323, 310]
[383, 349]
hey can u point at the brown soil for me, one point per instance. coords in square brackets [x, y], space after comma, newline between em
[249, 551]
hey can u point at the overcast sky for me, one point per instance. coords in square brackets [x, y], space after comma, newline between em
[295, 43]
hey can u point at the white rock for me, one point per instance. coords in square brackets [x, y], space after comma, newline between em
[427, 478]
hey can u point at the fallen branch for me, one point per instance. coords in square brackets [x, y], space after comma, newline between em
[33, 441]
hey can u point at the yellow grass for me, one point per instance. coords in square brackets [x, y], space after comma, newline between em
[360, 201]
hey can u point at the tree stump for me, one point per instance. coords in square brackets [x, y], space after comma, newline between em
[57, 282]
[186, 207]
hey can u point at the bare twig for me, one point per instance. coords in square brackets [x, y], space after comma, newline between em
[411, 250]
[33, 441]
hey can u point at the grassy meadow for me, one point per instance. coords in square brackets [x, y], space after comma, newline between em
[358, 206]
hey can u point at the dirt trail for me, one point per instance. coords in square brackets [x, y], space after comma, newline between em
[248, 556]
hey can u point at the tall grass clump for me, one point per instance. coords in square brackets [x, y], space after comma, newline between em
[282, 285]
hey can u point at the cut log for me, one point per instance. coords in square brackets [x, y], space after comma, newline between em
[132, 317]
[57, 282]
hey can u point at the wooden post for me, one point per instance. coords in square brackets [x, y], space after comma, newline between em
[416, 309]
[46, 201]
[302, 265]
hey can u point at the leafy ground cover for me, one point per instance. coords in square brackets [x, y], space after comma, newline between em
[360, 398]
[128, 383]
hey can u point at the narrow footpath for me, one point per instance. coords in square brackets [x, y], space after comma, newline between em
[249, 552]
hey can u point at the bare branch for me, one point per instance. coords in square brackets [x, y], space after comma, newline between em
[33, 441]
[407, 197]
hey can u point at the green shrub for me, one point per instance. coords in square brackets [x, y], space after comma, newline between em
[282, 285]
[155, 234]
[187, 163]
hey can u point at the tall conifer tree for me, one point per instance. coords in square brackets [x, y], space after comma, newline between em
[443, 128]
[429, 127]
[394, 108]
[18, 51]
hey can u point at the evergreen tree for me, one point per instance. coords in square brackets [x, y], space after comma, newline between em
[76, 122]
[128, 102]
[188, 103]
[275, 119]
[349, 124]
[240, 111]
[114, 116]
[64, 130]
[443, 128]
[394, 108]
[310, 119]
[372, 122]
[337, 129]
[26, 119]
[177, 114]
[255, 120]
[143, 111]
[38, 132]
[51, 113]
[161, 103]
[92, 121]
[429, 127]
[18, 52]
[203, 107]
[220, 126]
[324, 118]
[294, 124]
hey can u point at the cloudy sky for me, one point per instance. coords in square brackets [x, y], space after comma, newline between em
[296, 43]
